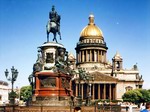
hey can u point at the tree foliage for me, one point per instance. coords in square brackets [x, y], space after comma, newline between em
[145, 95]
[13, 94]
[25, 93]
[137, 96]
[132, 96]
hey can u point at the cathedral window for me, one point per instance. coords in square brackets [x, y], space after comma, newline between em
[128, 88]
[89, 41]
[118, 65]
[88, 55]
[92, 55]
[84, 56]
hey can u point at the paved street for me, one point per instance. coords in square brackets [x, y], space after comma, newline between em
[134, 110]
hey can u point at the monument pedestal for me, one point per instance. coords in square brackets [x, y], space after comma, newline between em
[52, 86]
[51, 101]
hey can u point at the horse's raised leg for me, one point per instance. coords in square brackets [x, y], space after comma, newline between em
[48, 30]
[59, 35]
[47, 37]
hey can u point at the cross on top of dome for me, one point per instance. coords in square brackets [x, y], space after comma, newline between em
[91, 19]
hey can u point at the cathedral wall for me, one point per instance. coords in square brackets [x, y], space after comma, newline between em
[126, 76]
[122, 88]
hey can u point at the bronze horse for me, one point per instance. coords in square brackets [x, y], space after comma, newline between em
[53, 27]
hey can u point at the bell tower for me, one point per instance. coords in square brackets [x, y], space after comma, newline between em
[117, 62]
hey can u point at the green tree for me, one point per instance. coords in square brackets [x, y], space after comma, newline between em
[137, 96]
[145, 95]
[25, 93]
[13, 94]
[133, 96]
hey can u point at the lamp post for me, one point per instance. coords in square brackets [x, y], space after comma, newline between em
[80, 78]
[79, 97]
[12, 79]
[86, 77]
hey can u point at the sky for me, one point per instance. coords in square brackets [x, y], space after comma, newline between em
[125, 25]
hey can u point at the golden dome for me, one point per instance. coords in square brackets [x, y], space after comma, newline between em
[91, 30]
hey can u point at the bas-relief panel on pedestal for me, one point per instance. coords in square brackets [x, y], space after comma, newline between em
[47, 82]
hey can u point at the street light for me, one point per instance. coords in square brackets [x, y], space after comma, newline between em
[86, 77]
[79, 97]
[12, 79]
[81, 77]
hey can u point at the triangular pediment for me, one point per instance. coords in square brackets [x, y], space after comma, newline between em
[98, 76]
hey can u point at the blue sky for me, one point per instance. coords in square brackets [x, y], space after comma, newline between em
[125, 25]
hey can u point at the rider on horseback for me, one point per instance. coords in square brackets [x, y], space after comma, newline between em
[54, 17]
[53, 25]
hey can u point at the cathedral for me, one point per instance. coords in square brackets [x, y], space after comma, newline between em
[110, 80]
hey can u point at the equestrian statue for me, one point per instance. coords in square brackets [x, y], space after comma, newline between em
[53, 25]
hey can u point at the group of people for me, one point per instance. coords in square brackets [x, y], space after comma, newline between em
[143, 108]
[129, 108]
[147, 108]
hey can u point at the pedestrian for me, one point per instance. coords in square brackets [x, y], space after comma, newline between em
[142, 107]
[130, 108]
[147, 108]
[127, 108]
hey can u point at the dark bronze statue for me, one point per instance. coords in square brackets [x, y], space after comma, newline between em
[39, 63]
[53, 25]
